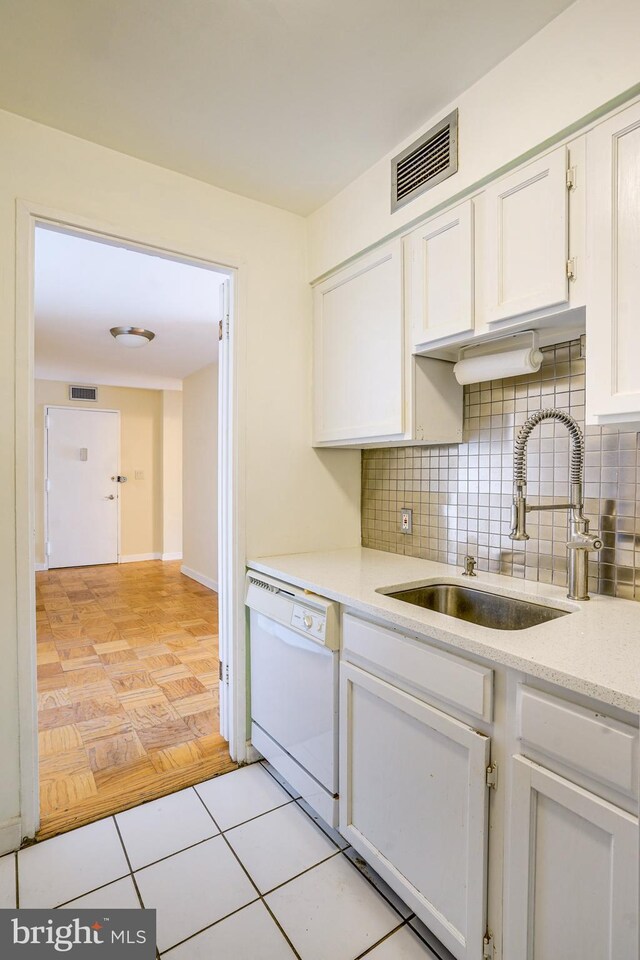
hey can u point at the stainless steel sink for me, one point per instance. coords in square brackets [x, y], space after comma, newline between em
[478, 606]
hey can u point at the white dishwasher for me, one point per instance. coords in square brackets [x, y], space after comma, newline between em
[294, 645]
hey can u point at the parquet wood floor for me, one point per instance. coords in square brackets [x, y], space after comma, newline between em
[127, 688]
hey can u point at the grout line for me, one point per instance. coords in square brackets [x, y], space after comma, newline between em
[373, 946]
[302, 873]
[191, 846]
[209, 926]
[250, 819]
[251, 881]
[123, 876]
[133, 877]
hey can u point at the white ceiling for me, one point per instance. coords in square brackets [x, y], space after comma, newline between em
[285, 101]
[84, 287]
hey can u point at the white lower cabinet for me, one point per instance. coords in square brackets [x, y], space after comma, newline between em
[414, 804]
[571, 888]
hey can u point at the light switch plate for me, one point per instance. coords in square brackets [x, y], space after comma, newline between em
[138, 475]
[406, 520]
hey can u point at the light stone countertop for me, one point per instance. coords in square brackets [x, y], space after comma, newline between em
[594, 651]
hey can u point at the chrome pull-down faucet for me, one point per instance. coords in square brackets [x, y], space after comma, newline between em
[580, 542]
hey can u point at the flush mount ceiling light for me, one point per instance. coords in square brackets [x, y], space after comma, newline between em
[132, 336]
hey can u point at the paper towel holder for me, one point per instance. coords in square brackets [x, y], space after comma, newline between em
[521, 357]
[533, 334]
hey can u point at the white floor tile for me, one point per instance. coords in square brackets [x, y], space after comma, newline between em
[279, 845]
[156, 830]
[120, 895]
[249, 934]
[8, 882]
[65, 867]
[194, 889]
[381, 886]
[403, 945]
[241, 795]
[332, 911]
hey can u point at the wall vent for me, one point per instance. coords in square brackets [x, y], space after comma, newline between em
[83, 393]
[427, 161]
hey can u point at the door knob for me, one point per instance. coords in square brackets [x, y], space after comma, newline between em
[110, 497]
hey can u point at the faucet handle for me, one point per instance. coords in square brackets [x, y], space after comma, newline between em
[469, 565]
[585, 541]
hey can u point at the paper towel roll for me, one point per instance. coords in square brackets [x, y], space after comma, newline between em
[495, 366]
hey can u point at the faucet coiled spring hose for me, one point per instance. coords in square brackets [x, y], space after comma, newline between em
[520, 449]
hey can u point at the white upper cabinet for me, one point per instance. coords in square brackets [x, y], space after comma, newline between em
[359, 350]
[613, 251]
[527, 239]
[440, 276]
[368, 388]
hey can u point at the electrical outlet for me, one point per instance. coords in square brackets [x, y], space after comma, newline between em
[138, 475]
[406, 520]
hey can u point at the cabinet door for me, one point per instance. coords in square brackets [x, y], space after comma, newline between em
[413, 802]
[526, 239]
[441, 282]
[359, 350]
[613, 250]
[572, 872]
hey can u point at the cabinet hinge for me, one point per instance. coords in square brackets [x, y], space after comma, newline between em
[223, 328]
[488, 950]
[46, 421]
[571, 268]
[492, 776]
[571, 178]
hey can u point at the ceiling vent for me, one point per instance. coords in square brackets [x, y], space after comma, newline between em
[427, 161]
[83, 393]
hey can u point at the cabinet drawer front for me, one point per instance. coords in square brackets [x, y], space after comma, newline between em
[599, 747]
[445, 676]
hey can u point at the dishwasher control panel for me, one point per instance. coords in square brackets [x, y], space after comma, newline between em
[309, 621]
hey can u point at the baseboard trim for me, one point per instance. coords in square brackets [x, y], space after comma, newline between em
[10, 835]
[172, 556]
[139, 557]
[200, 578]
[42, 566]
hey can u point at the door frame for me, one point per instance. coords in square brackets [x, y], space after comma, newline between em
[62, 406]
[231, 452]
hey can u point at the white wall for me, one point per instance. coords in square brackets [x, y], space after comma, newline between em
[582, 59]
[296, 498]
[200, 475]
[171, 475]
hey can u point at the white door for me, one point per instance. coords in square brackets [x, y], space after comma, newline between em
[413, 802]
[359, 349]
[572, 872]
[527, 239]
[441, 276]
[83, 453]
[613, 249]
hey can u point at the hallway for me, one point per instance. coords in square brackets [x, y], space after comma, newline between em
[127, 688]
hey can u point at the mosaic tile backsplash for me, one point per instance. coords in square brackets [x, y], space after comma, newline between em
[461, 494]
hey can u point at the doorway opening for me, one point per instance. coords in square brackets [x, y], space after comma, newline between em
[127, 454]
